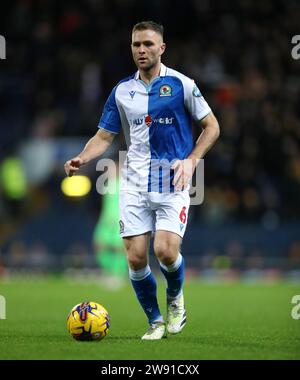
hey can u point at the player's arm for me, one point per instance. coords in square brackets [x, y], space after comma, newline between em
[95, 147]
[209, 135]
[184, 169]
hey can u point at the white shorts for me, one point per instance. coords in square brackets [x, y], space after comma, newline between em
[144, 212]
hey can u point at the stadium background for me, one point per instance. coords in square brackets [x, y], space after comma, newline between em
[63, 58]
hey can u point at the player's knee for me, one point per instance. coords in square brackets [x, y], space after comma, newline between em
[166, 252]
[136, 261]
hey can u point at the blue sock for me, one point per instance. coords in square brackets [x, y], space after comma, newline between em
[174, 275]
[145, 287]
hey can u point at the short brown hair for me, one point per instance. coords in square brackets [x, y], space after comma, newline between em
[145, 25]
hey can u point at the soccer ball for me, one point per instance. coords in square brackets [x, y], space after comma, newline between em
[88, 321]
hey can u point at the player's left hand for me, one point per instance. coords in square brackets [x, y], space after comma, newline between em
[184, 170]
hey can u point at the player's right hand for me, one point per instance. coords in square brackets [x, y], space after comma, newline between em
[73, 165]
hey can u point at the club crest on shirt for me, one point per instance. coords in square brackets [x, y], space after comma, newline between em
[196, 91]
[165, 90]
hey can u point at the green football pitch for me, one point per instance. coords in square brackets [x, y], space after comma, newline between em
[225, 321]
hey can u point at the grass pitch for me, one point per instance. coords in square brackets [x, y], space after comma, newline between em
[230, 321]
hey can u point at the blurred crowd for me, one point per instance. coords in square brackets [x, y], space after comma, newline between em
[64, 57]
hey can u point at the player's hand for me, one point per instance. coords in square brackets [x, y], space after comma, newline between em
[73, 165]
[184, 170]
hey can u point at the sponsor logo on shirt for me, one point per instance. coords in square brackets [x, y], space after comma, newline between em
[164, 120]
[148, 120]
[138, 121]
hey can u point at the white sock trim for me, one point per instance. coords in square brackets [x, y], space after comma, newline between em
[173, 267]
[140, 274]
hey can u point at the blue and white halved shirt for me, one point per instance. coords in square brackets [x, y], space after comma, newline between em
[157, 123]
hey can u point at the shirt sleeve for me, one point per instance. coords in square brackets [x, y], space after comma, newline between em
[194, 100]
[110, 119]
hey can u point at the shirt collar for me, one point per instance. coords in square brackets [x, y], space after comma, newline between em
[163, 72]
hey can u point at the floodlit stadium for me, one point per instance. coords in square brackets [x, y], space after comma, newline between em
[62, 70]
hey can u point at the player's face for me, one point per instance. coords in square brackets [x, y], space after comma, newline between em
[147, 47]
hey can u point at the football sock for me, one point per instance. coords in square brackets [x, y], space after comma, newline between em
[144, 285]
[174, 275]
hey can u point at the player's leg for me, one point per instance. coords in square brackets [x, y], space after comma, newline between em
[167, 250]
[136, 225]
[144, 283]
[171, 222]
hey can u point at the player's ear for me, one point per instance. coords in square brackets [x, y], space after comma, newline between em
[162, 48]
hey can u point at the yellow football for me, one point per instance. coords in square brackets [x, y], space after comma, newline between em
[88, 321]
